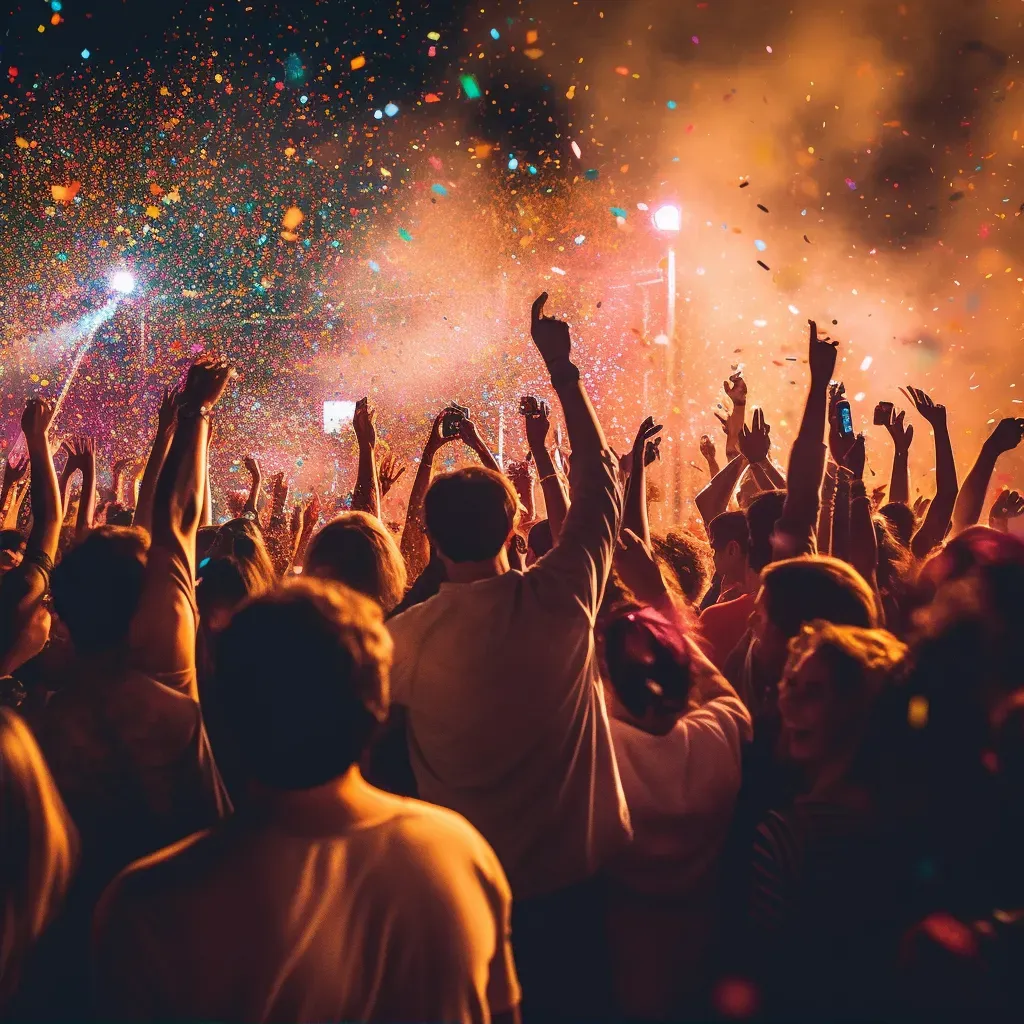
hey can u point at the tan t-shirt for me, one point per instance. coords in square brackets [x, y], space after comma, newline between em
[273, 917]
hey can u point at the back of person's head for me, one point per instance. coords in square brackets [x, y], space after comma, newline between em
[97, 585]
[205, 538]
[118, 515]
[11, 540]
[471, 513]
[38, 847]
[648, 665]
[302, 674]
[902, 519]
[762, 515]
[976, 548]
[243, 539]
[222, 585]
[687, 558]
[539, 542]
[355, 549]
[799, 590]
[729, 527]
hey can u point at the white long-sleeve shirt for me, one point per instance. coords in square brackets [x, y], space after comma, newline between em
[507, 719]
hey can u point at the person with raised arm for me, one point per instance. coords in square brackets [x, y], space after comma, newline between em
[167, 418]
[710, 454]
[634, 512]
[937, 519]
[1008, 505]
[82, 456]
[251, 508]
[970, 501]
[556, 502]
[902, 437]
[15, 487]
[796, 530]
[506, 713]
[24, 621]
[753, 445]
[366, 493]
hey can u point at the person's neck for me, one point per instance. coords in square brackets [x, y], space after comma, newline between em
[471, 572]
[342, 802]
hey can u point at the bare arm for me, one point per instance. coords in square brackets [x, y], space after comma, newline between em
[251, 509]
[166, 420]
[841, 516]
[899, 484]
[936, 521]
[471, 437]
[825, 514]
[710, 454]
[713, 500]
[163, 632]
[634, 512]
[366, 493]
[971, 499]
[555, 500]
[415, 547]
[863, 542]
[82, 456]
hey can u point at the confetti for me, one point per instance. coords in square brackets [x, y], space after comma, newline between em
[470, 87]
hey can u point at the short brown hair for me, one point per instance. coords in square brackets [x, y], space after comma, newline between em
[470, 513]
[800, 590]
[303, 676]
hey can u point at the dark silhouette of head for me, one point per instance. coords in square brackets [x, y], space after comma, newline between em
[302, 675]
[97, 585]
[470, 514]
[762, 515]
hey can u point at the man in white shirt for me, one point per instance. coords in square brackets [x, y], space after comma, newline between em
[679, 730]
[506, 714]
[323, 899]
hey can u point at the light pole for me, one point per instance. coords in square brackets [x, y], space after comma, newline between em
[667, 220]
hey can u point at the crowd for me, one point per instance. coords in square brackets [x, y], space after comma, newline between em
[524, 757]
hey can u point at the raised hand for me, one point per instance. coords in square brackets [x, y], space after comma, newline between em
[207, 378]
[298, 521]
[932, 413]
[469, 434]
[707, 447]
[312, 512]
[821, 355]
[755, 440]
[81, 455]
[647, 430]
[16, 468]
[920, 506]
[167, 414]
[279, 496]
[551, 336]
[838, 445]
[364, 423]
[1008, 505]
[736, 389]
[388, 472]
[436, 438]
[36, 419]
[538, 425]
[1006, 435]
[652, 452]
[252, 467]
[901, 435]
[856, 457]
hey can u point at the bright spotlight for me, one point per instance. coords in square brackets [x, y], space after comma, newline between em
[123, 282]
[667, 218]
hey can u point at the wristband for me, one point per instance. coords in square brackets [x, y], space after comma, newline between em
[193, 412]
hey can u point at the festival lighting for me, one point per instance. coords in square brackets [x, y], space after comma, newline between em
[667, 218]
[122, 281]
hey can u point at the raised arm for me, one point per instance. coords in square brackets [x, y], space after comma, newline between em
[13, 490]
[971, 499]
[899, 485]
[556, 502]
[634, 512]
[415, 547]
[389, 470]
[796, 528]
[714, 499]
[936, 521]
[863, 542]
[710, 454]
[163, 633]
[251, 509]
[1008, 505]
[579, 563]
[755, 444]
[46, 508]
[827, 510]
[366, 493]
[471, 437]
[82, 456]
[736, 391]
[165, 423]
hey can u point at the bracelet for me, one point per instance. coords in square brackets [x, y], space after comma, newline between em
[185, 413]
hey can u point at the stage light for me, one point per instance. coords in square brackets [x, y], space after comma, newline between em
[667, 218]
[123, 282]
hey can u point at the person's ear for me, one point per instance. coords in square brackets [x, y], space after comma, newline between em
[732, 549]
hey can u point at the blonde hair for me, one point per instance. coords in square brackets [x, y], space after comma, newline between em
[355, 549]
[38, 847]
